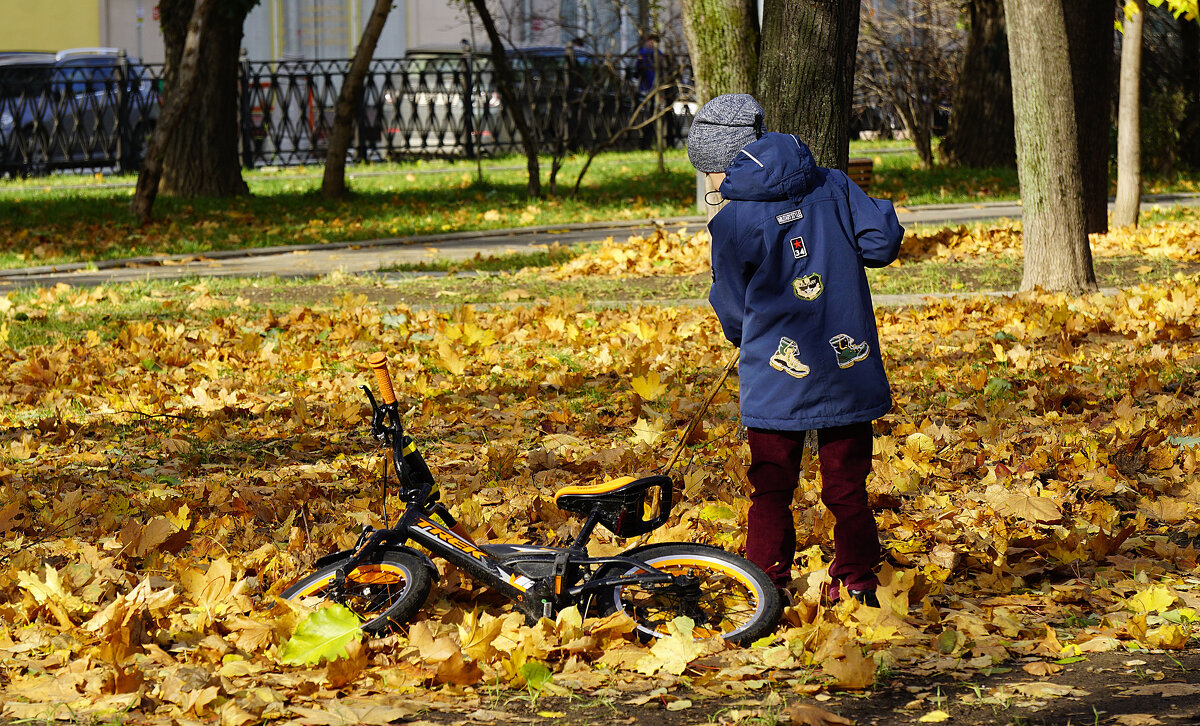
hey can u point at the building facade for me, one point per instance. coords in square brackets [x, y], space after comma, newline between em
[329, 29]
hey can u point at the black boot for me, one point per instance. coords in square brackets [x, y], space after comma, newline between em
[866, 597]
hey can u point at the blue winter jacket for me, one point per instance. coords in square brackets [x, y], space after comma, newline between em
[790, 289]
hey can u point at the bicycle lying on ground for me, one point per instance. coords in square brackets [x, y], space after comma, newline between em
[385, 580]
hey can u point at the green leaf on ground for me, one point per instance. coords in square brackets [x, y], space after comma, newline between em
[323, 635]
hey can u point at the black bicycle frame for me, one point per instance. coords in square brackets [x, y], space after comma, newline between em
[535, 597]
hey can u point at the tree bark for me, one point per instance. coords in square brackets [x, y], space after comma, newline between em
[806, 73]
[1057, 255]
[176, 103]
[201, 158]
[1129, 123]
[333, 184]
[980, 132]
[505, 87]
[1189, 136]
[722, 38]
[1090, 43]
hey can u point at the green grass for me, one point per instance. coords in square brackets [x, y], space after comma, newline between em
[70, 219]
[58, 223]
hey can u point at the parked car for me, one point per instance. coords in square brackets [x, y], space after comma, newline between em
[24, 95]
[424, 104]
[85, 107]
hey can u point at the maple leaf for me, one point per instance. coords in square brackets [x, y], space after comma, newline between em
[806, 714]
[650, 387]
[853, 671]
[673, 652]
[325, 634]
[350, 712]
[647, 431]
[1151, 600]
[1015, 504]
[51, 592]
[342, 670]
[451, 360]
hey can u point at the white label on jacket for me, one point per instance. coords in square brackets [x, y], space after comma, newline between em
[798, 248]
[789, 217]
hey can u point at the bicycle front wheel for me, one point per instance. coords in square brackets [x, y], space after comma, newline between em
[385, 591]
[723, 594]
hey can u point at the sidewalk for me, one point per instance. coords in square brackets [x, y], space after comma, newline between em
[315, 260]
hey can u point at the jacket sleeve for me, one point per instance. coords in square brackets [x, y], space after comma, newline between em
[728, 293]
[877, 232]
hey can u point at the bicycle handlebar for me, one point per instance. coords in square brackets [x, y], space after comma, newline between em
[378, 361]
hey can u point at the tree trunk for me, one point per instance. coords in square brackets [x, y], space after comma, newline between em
[806, 73]
[722, 38]
[201, 157]
[176, 103]
[980, 132]
[1057, 255]
[1129, 123]
[1090, 43]
[1189, 135]
[333, 184]
[508, 96]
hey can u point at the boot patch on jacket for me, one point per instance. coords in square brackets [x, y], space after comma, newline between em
[798, 248]
[808, 287]
[789, 217]
[848, 352]
[787, 359]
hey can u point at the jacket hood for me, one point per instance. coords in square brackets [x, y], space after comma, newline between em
[776, 167]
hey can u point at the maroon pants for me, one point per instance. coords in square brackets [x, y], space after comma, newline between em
[845, 456]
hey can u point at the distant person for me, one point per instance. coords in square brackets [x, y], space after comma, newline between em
[648, 56]
[650, 61]
[790, 289]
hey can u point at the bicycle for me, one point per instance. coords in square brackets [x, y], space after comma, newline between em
[385, 581]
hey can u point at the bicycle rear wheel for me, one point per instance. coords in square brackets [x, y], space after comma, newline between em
[726, 594]
[385, 591]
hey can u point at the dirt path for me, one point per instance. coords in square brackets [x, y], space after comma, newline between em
[1121, 688]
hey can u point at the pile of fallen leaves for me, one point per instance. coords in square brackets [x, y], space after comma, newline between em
[661, 252]
[665, 252]
[161, 481]
[1174, 240]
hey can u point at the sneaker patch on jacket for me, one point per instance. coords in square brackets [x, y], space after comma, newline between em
[798, 248]
[808, 287]
[787, 359]
[789, 217]
[848, 352]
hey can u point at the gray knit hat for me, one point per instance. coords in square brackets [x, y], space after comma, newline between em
[723, 127]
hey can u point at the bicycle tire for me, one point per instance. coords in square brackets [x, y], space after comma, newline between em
[737, 600]
[386, 591]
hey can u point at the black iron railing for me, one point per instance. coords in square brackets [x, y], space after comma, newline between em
[100, 116]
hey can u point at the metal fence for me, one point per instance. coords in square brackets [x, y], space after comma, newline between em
[437, 105]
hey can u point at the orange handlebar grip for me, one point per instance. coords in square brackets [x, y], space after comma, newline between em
[378, 361]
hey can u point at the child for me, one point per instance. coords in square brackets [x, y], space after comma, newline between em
[790, 289]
